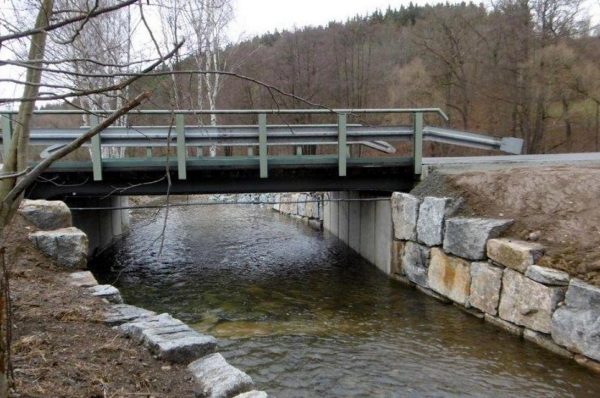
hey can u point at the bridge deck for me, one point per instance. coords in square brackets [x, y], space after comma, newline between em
[229, 162]
[225, 175]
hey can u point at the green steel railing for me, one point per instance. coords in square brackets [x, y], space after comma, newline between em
[262, 127]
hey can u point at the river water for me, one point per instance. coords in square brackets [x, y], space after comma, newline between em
[306, 317]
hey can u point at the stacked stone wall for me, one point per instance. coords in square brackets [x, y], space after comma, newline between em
[465, 261]
[306, 207]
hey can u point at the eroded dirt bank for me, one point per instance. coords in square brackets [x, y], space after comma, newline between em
[60, 346]
[558, 206]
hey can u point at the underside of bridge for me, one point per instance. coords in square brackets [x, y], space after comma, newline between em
[227, 177]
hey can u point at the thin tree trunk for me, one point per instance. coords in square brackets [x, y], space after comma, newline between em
[17, 161]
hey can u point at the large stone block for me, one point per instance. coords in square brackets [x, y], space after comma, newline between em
[576, 325]
[547, 276]
[528, 303]
[449, 276]
[83, 279]
[119, 314]
[515, 254]
[582, 295]
[215, 378]
[466, 237]
[397, 253]
[253, 394]
[405, 212]
[46, 214]
[545, 341]
[414, 263]
[169, 338]
[107, 292]
[432, 214]
[67, 246]
[486, 282]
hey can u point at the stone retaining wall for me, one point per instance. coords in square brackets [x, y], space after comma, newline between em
[306, 207]
[465, 261]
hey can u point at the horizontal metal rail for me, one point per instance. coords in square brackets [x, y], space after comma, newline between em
[320, 111]
[258, 136]
[247, 135]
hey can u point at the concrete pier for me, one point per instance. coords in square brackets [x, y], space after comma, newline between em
[102, 227]
[364, 226]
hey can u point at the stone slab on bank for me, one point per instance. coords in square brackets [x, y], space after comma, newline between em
[405, 212]
[515, 254]
[82, 279]
[432, 214]
[576, 325]
[215, 378]
[486, 282]
[415, 260]
[169, 338]
[67, 246]
[467, 237]
[253, 394]
[528, 303]
[119, 314]
[46, 214]
[547, 276]
[108, 292]
[449, 276]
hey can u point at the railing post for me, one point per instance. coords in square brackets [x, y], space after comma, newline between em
[148, 152]
[6, 133]
[342, 147]
[262, 145]
[298, 150]
[96, 149]
[250, 151]
[181, 150]
[418, 143]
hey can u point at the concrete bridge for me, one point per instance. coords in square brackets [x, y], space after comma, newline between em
[173, 143]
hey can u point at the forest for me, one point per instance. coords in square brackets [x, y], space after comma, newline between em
[520, 68]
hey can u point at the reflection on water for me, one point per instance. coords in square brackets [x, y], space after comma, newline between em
[307, 317]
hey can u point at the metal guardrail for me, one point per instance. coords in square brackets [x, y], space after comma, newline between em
[261, 135]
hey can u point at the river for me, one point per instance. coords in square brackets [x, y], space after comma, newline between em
[307, 317]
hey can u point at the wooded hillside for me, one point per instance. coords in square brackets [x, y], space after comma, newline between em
[529, 69]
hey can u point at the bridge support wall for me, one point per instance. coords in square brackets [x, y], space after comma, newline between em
[365, 226]
[102, 227]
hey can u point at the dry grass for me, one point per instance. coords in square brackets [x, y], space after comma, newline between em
[61, 348]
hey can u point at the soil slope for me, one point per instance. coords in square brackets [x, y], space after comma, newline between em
[60, 347]
[559, 204]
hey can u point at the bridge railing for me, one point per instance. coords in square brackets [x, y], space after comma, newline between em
[259, 136]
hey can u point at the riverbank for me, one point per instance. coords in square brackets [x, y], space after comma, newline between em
[555, 206]
[61, 346]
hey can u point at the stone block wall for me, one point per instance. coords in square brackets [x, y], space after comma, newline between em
[465, 261]
[306, 207]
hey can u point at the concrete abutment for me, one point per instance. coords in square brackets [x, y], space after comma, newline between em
[102, 227]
